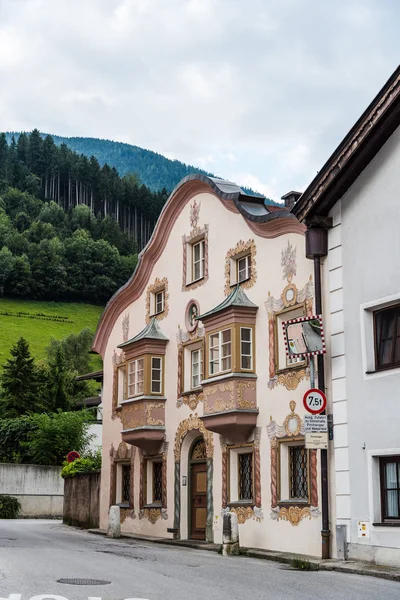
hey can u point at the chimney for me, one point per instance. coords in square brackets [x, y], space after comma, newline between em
[290, 199]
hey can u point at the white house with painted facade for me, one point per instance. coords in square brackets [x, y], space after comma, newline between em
[356, 197]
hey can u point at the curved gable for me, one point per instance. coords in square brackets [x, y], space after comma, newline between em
[262, 222]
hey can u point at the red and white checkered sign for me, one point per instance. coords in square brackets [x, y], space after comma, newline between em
[302, 320]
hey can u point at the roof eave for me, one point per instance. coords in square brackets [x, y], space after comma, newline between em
[353, 154]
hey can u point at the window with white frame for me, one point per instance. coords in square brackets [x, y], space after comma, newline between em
[241, 474]
[282, 360]
[196, 375]
[198, 260]
[294, 472]
[159, 298]
[153, 476]
[135, 377]
[243, 268]
[156, 375]
[246, 348]
[122, 384]
[220, 352]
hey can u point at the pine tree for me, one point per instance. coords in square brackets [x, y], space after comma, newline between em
[20, 383]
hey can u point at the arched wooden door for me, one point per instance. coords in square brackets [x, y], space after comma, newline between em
[198, 490]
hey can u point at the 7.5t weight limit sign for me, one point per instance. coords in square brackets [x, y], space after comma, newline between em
[314, 401]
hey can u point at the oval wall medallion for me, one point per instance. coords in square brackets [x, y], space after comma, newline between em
[192, 311]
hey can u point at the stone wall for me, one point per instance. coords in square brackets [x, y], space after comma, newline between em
[81, 500]
[38, 488]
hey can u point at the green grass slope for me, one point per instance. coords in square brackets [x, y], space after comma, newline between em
[38, 322]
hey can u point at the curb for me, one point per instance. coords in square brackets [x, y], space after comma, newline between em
[316, 564]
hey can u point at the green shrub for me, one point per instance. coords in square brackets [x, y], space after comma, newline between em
[10, 507]
[301, 565]
[86, 464]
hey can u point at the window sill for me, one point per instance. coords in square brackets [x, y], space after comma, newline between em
[189, 283]
[294, 502]
[238, 503]
[387, 524]
[196, 390]
[123, 504]
[156, 314]
[153, 505]
[293, 367]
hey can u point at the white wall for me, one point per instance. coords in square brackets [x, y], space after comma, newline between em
[364, 270]
[40, 489]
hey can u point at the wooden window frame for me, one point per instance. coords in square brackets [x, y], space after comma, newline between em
[161, 380]
[383, 460]
[156, 294]
[128, 373]
[201, 367]
[220, 357]
[247, 269]
[201, 244]
[242, 368]
[376, 313]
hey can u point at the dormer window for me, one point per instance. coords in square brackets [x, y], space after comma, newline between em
[243, 268]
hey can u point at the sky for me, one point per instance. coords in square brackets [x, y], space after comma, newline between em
[256, 91]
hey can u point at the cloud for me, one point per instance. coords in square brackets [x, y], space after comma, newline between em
[276, 84]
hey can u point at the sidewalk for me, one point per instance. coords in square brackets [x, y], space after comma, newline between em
[315, 564]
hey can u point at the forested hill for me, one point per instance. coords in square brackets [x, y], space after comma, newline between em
[154, 170]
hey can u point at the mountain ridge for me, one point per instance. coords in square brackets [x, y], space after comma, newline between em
[155, 170]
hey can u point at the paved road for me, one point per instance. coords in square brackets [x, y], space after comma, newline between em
[35, 554]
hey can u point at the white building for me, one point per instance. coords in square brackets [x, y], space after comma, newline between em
[356, 196]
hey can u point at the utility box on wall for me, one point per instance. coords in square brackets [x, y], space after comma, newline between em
[341, 542]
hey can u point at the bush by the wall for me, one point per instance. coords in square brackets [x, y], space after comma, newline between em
[85, 464]
[9, 507]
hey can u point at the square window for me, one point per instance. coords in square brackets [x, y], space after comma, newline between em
[387, 338]
[390, 488]
[243, 268]
[156, 375]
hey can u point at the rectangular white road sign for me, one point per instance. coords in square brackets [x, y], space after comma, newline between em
[315, 423]
[315, 441]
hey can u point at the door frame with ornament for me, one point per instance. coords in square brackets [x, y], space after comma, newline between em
[191, 463]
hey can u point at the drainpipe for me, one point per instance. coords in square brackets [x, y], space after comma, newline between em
[317, 246]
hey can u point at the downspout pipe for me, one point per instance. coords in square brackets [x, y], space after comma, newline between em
[317, 247]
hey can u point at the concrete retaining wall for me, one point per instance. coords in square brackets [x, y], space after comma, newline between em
[81, 500]
[39, 488]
